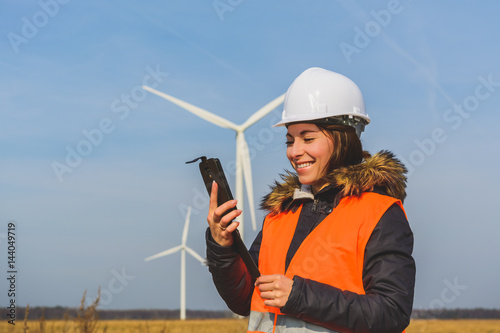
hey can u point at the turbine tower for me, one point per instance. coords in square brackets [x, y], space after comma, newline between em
[243, 164]
[183, 248]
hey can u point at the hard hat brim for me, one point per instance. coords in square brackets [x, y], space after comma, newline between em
[308, 118]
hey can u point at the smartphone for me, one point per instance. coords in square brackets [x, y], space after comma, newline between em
[211, 170]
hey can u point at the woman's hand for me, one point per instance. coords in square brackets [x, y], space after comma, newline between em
[274, 289]
[221, 232]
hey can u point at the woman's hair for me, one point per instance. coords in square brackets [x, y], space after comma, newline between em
[347, 148]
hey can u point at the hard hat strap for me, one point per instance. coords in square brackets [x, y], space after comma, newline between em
[347, 120]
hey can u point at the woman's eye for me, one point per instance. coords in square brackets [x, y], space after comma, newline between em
[289, 143]
[308, 139]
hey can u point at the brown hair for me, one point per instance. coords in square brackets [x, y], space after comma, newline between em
[347, 148]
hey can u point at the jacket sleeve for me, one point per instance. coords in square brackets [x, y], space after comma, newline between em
[230, 275]
[388, 279]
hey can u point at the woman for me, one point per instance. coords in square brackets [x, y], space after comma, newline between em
[335, 248]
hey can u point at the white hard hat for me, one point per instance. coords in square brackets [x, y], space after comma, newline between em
[322, 95]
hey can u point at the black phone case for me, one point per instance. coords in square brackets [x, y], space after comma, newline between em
[211, 170]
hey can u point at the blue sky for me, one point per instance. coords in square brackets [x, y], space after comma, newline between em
[70, 77]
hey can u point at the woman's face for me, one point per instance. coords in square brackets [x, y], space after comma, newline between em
[309, 151]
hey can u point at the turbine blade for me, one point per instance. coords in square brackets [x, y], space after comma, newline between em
[263, 111]
[247, 174]
[208, 116]
[195, 255]
[186, 226]
[164, 253]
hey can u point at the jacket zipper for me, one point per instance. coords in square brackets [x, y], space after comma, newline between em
[315, 205]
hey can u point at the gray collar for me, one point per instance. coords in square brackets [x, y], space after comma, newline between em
[304, 192]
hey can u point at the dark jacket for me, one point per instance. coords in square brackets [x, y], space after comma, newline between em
[389, 269]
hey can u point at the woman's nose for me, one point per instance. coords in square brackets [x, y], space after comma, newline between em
[296, 150]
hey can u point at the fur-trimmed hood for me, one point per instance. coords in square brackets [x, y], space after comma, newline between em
[382, 171]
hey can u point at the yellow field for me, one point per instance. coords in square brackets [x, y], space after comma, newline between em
[230, 326]
[452, 326]
[129, 326]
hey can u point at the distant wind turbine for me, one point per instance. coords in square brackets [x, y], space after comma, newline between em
[243, 164]
[183, 248]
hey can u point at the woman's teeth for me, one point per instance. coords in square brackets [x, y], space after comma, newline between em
[303, 165]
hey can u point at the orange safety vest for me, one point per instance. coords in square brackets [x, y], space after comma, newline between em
[333, 254]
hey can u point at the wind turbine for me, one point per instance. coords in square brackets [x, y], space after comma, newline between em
[183, 248]
[243, 164]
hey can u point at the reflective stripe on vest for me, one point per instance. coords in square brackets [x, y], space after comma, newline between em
[264, 322]
[333, 253]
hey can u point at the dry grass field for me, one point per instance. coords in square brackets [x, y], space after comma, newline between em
[452, 326]
[226, 326]
[133, 326]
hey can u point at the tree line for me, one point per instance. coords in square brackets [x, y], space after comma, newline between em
[59, 312]
[476, 313]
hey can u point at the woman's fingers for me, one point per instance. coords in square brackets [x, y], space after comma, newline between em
[227, 231]
[274, 289]
[213, 196]
[225, 222]
[218, 211]
[219, 222]
[229, 208]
